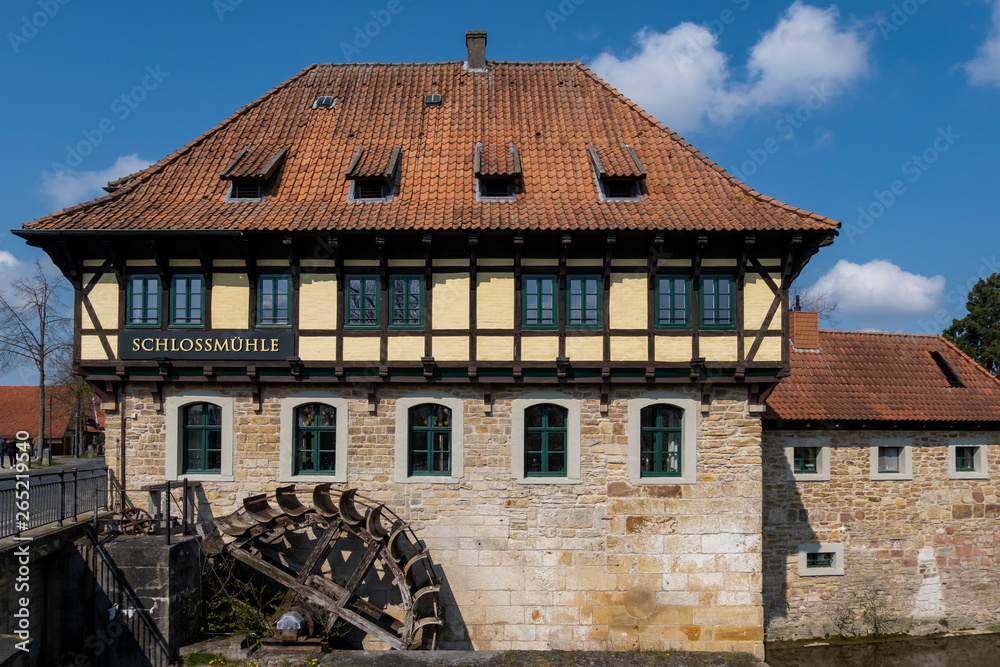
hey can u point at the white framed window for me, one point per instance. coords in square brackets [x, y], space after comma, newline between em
[808, 459]
[199, 436]
[429, 422]
[967, 458]
[545, 439]
[653, 451]
[306, 441]
[891, 458]
[821, 560]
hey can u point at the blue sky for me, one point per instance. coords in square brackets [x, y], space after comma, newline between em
[879, 114]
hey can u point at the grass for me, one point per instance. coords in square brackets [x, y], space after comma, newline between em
[201, 658]
[993, 628]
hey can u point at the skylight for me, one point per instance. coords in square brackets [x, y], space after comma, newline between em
[324, 102]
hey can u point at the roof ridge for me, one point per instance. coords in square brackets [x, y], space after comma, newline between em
[880, 333]
[701, 156]
[144, 174]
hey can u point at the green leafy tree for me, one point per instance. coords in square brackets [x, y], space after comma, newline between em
[978, 333]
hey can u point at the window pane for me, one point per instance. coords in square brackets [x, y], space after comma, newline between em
[193, 414]
[305, 415]
[557, 462]
[327, 441]
[888, 459]
[532, 441]
[328, 461]
[214, 460]
[214, 414]
[557, 416]
[533, 416]
[647, 417]
[328, 416]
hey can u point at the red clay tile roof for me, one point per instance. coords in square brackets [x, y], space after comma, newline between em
[617, 162]
[551, 111]
[19, 410]
[258, 163]
[884, 377]
[498, 158]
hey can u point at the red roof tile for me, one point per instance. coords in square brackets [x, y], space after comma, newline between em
[551, 111]
[19, 411]
[884, 377]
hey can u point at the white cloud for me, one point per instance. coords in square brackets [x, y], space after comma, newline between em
[682, 77]
[71, 187]
[7, 260]
[879, 294]
[984, 69]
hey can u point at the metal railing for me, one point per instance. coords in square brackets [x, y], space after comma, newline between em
[43, 497]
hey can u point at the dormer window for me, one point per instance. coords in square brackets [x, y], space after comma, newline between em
[619, 172]
[251, 171]
[498, 170]
[372, 173]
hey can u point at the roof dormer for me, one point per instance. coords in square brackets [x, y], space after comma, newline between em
[372, 172]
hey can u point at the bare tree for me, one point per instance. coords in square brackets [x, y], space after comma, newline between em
[34, 329]
[814, 302]
[76, 399]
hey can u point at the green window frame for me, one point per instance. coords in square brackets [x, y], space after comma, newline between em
[361, 302]
[965, 458]
[406, 301]
[429, 450]
[143, 301]
[820, 559]
[187, 301]
[718, 302]
[660, 440]
[805, 460]
[315, 439]
[202, 433]
[539, 302]
[672, 301]
[583, 302]
[545, 440]
[274, 301]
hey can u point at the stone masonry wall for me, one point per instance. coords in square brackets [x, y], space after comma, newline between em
[929, 547]
[596, 565]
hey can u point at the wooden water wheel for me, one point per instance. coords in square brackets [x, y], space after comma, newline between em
[346, 523]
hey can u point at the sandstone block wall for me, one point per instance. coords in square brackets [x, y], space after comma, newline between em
[596, 565]
[929, 546]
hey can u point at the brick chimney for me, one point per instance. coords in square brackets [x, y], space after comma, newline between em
[803, 329]
[475, 41]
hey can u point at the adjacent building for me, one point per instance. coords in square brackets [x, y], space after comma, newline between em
[72, 420]
[498, 297]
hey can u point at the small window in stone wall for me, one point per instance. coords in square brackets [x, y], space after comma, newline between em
[967, 459]
[891, 458]
[808, 459]
[821, 560]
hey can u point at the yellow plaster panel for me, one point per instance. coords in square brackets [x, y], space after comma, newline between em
[405, 348]
[273, 262]
[709, 263]
[757, 298]
[585, 348]
[91, 348]
[495, 301]
[104, 299]
[318, 263]
[770, 349]
[93, 262]
[406, 262]
[185, 262]
[495, 348]
[539, 348]
[358, 348]
[673, 348]
[451, 302]
[718, 348]
[494, 261]
[228, 263]
[584, 262]
[450, 262]
[318, 348]
[628, 301]
[450, 348]
[539, 262]
[318, 301]
[673, 262]
[628, 262]
[629, 348]
[770, 261]
[230, 301]
[140, 262]
[360, 262]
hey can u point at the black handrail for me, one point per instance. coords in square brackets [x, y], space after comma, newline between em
[50, 500]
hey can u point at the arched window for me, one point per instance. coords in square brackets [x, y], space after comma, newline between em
[545, 441]
[202, 427]
[430, 440]
[660, 441]
[315, 439]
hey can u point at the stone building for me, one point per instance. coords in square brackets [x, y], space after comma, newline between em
[878, 491]
[498, 297]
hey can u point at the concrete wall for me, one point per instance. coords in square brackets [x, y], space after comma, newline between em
[536, 565]
[928, 544]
